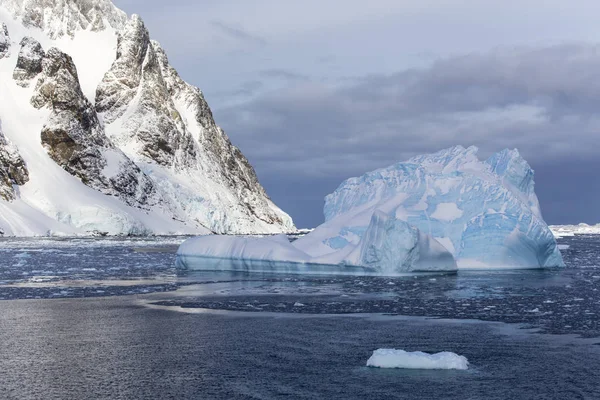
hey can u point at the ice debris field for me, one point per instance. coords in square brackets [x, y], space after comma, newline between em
[437, 212]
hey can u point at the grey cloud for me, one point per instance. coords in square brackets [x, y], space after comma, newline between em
[238, 33]
[283, 74]
[541, 101]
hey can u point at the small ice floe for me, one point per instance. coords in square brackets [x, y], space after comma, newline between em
[298, 304]
[535, 310]
[391, 358]
[564, 247]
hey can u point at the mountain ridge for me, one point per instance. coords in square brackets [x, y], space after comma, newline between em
[147, 138]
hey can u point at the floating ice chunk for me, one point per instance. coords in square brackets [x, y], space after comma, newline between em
[388, 247]
[391, 358]
[254, 254]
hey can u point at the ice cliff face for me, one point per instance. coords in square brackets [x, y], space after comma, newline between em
[486, 213]
[147, 139]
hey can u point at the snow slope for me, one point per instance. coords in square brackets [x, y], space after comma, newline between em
[60, 196]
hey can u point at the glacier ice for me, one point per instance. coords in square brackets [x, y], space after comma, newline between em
[485, 213]
[389, 247]
[434, 212]
[391, 358]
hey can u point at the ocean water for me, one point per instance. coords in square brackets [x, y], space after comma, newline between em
[113, 319]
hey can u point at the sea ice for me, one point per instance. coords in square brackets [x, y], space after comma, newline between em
[391, 358]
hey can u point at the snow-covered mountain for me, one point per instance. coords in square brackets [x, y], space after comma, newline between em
[99, 133]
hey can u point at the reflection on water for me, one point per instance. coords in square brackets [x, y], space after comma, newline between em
[67, 346]
[557, 301]
[109, 348]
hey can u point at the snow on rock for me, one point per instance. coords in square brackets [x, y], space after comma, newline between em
[29, 63]
[159, 164]
[58, 18]
[13, 170]
[4, 41]
[75, 139]
[486, 212]
[166, 126]
[391, 358]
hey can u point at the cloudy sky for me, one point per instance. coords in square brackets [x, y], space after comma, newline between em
[316, 91]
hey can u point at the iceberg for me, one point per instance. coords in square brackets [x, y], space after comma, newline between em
[389, 247]
[560, 231]
[437, 212]
[391, 358]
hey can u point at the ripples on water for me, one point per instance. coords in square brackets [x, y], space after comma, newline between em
[134, 347]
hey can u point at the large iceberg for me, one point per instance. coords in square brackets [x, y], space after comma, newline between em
[434, 212]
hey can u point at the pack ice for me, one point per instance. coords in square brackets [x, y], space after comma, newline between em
[434, 212]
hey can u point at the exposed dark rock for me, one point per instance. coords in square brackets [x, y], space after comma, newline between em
[155, 124]
[146, 92]
[228, 165]
[13, 170]
[29, 63]
[74, 137]
[4, 41]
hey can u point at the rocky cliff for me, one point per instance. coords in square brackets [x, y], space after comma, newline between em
[148, 138]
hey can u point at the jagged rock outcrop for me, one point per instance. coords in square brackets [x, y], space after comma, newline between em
[13, 170]
[135, 79]
[148, 138]
[29, 63]
[164, 120]
[66, 16]
[226, 162]
[75, 139]
[4, 41]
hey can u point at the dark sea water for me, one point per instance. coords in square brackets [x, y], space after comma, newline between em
[113, 319]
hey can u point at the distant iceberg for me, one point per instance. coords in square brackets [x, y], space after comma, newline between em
[391, 358]
[561, 231]
[435, 212]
